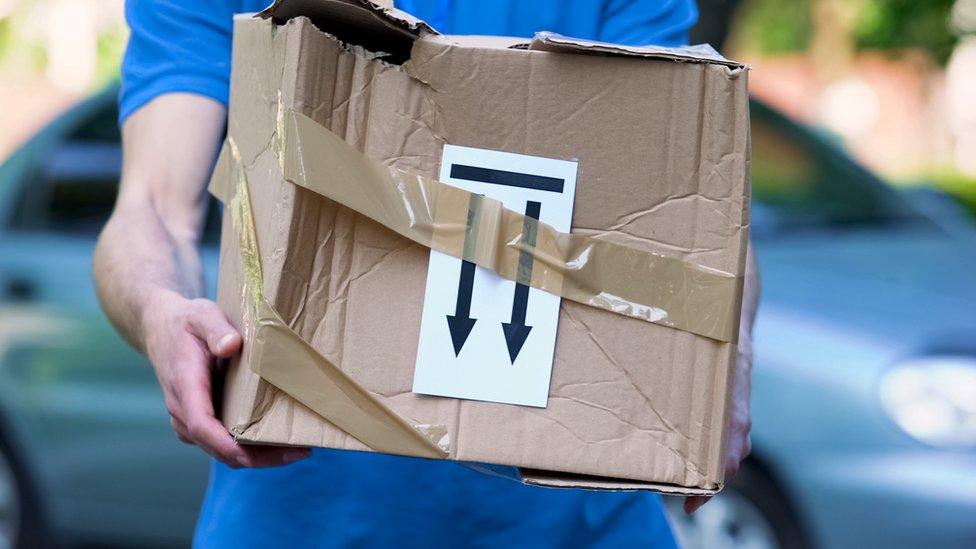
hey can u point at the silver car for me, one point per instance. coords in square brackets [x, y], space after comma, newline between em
[864, 389]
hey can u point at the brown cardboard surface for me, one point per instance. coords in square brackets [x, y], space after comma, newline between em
[700, 53]
[607, 275]
[662, 150]
[285, 360]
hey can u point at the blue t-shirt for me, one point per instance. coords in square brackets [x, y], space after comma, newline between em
[184, 46]
[337, 498]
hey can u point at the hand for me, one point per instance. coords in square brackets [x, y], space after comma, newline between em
[739, 444]
[183, 338]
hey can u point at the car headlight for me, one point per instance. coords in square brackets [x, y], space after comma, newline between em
[933, 399]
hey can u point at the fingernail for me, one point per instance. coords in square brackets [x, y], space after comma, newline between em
[244, 461]
[295, 455]
[224, 342]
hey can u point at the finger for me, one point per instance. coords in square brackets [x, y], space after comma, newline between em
[731, 469]
[203, 427]
[208, 323]
[693, 503]
[274, 456]
[181, 431]
[736, 454]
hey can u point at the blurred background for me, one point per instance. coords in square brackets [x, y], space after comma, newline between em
[892, 80]
[864, 180]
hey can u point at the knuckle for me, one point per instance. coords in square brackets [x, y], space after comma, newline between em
[185, 313]
[201, 306]
[177, 428]
[188, 313]
[193, 307]
[173, 409]
[195, 429]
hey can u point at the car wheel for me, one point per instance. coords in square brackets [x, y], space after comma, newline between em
[19, 524]
[750, 513]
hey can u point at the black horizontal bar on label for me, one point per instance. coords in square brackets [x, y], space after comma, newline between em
[510, 179]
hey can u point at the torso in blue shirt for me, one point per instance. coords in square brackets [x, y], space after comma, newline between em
[354, 499]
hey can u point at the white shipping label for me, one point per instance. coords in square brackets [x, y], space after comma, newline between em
[483, 337]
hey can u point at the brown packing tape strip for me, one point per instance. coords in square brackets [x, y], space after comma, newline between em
[284, 359]
[595, 272]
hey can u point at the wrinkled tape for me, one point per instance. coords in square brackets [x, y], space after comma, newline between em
[599, 273]
[284, 359]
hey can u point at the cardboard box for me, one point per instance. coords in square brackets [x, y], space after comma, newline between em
[661, 138]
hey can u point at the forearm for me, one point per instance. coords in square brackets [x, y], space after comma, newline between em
[138, 261]
[148, 249]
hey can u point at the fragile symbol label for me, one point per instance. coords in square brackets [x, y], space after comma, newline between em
[483, 337]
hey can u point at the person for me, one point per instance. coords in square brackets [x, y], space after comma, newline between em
[150, 281]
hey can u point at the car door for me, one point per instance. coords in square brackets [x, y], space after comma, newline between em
[84, 409]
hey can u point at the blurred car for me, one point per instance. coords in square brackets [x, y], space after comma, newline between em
[864, 385]
[86, 452]
[864, 404]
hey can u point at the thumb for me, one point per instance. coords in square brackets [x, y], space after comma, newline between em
[208, 322]
[692, 503]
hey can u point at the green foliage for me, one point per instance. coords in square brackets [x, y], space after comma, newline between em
[776, 26]
[24, 54]
[111, 47]
[897, 24]
[6, 36]
[962, 187]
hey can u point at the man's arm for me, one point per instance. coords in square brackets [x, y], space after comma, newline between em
[739, 444]
[149, 275]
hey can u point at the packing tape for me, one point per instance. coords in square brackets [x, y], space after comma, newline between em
[599, 273]
[281, 357]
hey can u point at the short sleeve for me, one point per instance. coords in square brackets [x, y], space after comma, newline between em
[644, 22]
[176, 46]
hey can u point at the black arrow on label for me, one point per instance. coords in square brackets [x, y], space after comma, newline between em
[461, 323]
[516, 332]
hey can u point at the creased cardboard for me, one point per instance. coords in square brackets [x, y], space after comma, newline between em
[662, 148]
[285, 360]
[608, 275]
[700, 53]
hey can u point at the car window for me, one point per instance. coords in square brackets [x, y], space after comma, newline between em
[71, 189]
[800, 182]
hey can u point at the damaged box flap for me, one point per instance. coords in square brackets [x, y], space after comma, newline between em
[363, 15]
[553, 479]
[699, 53]
[379, 27]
